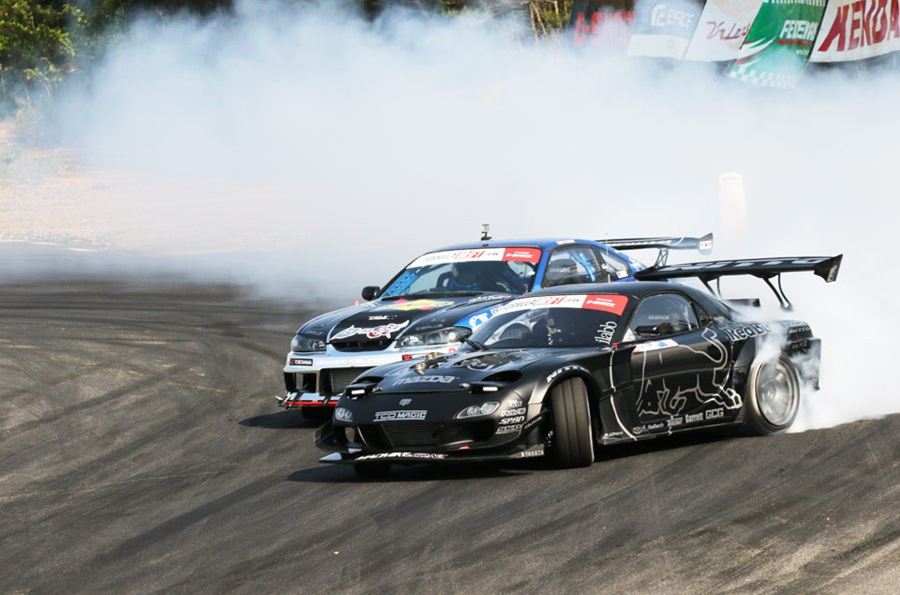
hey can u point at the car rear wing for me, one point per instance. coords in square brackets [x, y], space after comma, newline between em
[826, 267]
[703, 245]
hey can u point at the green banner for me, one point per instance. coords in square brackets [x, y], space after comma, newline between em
[779, 43]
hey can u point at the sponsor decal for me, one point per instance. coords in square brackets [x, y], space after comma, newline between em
[607, 303]
[675, 421]
[522, 255]
[532, 452]
[611, 435]
[412, 305]
[716, 413]
[488, 298]
[301, 361]
[692, 418]
[747, 331]
[382, 317]
[512, 420]
[648, 428]
[515, 403]
[402, 415]
[605, 332]
[531, 423]
[402, 455]
[405, 402]
[478, 254]
[858, 29]
[426, 380]
[482, 317]
[509, 429]
[655, 345]
[559, 371]
[513, 412]
[385, 330]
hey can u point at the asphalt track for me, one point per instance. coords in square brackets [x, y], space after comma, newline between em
[141, 452]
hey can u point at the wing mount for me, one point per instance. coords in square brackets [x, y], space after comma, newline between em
[702, 244]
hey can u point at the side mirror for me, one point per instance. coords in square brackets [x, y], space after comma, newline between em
[370, 292]
[653, 332]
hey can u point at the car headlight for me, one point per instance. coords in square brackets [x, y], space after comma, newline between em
[478, 410]
[304, 344]
[343, 414]
[451, 334]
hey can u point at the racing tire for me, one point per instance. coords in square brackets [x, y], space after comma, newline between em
[572, 444]
[372, 470]
[773, 397]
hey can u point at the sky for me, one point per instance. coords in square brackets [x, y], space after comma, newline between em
[307, 151]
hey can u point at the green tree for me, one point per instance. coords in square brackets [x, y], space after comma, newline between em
[36, 47]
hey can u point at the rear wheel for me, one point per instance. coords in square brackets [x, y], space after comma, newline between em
[773, 397]
[572, 444]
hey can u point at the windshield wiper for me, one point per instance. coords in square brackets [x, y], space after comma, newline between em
[475, 344]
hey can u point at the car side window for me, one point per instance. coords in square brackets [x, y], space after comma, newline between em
[662, 315]
[616, 267]
[574, 264]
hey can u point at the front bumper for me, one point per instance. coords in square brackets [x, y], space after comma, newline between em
[319, 379]
[409, 457]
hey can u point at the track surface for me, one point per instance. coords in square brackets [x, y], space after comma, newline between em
[141, 452]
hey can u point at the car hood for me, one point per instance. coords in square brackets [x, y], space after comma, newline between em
[382, 321]
[452, 372]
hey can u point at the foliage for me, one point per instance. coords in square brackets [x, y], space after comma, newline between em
[44, 41]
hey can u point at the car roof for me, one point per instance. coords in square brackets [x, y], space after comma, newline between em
[544, 243]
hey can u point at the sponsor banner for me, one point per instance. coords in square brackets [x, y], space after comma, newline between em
[857, 30]
[607, 303]
[478, 255]
[721, 29]
[779, 42]
[664, 28]
[602, 23]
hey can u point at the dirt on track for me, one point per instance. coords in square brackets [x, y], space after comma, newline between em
[141, 452]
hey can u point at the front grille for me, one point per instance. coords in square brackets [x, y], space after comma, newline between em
[417, 434]
[403, 434]
[362, 345]
[335, 380]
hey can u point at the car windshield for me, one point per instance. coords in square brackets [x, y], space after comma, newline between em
[554, 321]
[502, 270]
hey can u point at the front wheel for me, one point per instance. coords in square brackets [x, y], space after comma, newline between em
[773, 397]
[572, 444]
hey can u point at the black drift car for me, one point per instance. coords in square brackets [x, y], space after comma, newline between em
[565, 370]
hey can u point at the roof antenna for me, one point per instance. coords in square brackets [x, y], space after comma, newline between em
[485, 230]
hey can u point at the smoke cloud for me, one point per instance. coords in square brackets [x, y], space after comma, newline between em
[311, 152]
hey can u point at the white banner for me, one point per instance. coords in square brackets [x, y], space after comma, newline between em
[663, 28]
[721, 30]
[857, 29]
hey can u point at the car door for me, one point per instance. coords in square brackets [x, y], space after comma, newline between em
[680, 365]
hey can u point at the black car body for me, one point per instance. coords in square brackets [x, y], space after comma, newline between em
[564, 370]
